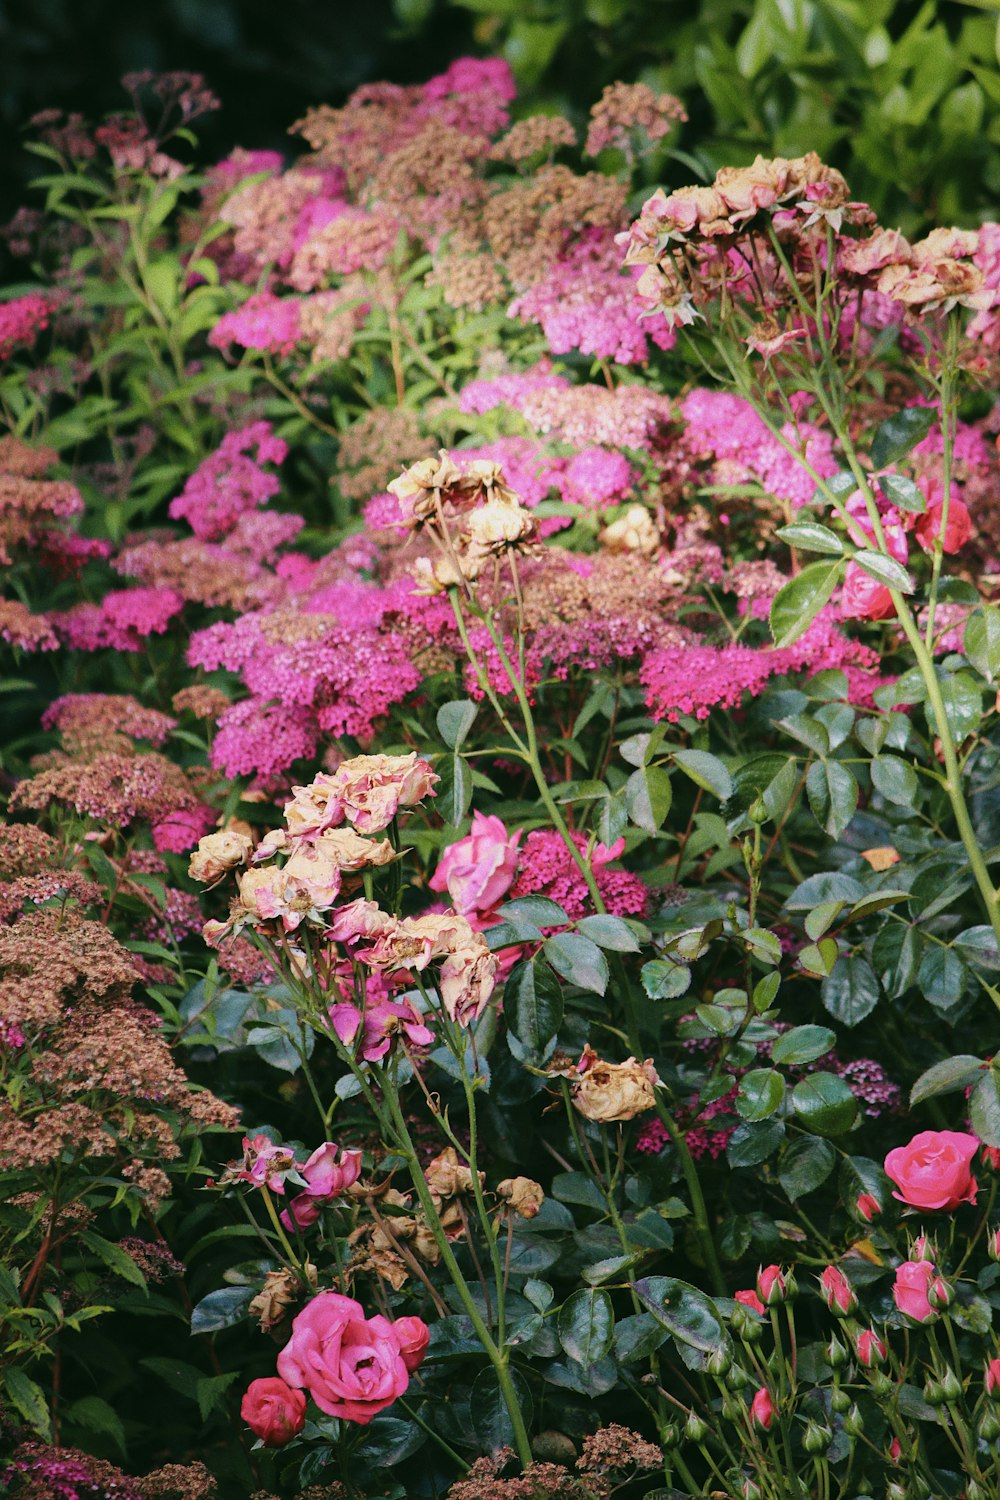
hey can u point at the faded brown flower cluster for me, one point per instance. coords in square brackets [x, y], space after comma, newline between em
[609, 1459]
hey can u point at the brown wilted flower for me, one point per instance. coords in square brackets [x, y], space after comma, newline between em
[282, 1289]
[616, 1451]
[447, 1176]
[532, 136]
[521, 1194]
[202, 701]
[217, 854]
[607, 1091]
[625, 108]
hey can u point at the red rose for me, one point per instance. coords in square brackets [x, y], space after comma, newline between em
[957, 532]
[273, 1411]
[933, 1171]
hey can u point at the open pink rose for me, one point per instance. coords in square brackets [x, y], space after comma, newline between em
[913, 1279]
[934, 1169]
[957, 532]
[273, 1411]
[479, 869]
[350, 1365]
[329, 1172]
[863, 597]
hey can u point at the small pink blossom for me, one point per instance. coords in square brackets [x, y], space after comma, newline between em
[479, 869]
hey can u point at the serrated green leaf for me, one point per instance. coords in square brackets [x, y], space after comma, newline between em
[800, 600]
[901, 432]
[810, 536]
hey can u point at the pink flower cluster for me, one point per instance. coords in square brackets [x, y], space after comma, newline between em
[692, 680]
[264, 322]
[547, 868]
[230, 482]
[21, 321]
[726, 431]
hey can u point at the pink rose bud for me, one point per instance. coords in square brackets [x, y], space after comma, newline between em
[838, 1293]
[939, 1294]
[922, 1249]
[993, 1244]
[869, 1348]
[913, 1279]
[771, 1288]
[762, 1409]
[412, 1335]
[273, 1411]
[991, 1379]
[895, 1448]
[933, 1171]
[749, 1299]
[991, 1157]
[868, 1207]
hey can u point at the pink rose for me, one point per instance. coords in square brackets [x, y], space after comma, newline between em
[863, 597]
[412, 1335]
[770, 1285]
[479, 869]
[933, 1170]
[762, 1409]
[913, 1278]
[749, 1299]
[273, 1411]
[327, 1175]
[991, 1378]
[957, 532]
[350, 1365]
[838, 1293]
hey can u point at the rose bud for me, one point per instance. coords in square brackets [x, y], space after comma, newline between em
[273, 1411]
[838, 1293]
[950, 1384]
[853, 1423]
[816, 1438]
[993, 1244]
[913, 1278]
[749, 1299]
[989, 1427]
[869, 1348]
[991, 1379]
[771, 1285]
[840, 1401]
[751, 1490]
[695, 1430]
[991, 1154]
[762, 1409]
[922, 1249]
[933, 1392]
[836, 1354]
[868, 1207]
[732, 1408]
[939, 1294]
[411, 1335]
[895, 1448]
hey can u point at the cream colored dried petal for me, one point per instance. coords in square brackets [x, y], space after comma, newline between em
[217, 854]
[524, 1195]
[632, 532]
[615, 1091]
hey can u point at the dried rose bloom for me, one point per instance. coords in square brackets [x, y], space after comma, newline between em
[282, 1289]
[447, 1176]
[613, 1091]
[522, 1194]
[217, 854]
[634, 531]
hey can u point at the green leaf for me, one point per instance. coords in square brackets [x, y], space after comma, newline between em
[819, 958]
[963, 702]
[706, 771]
[851, 991]
[833, 795]
[978, 946]
[902, 493]
[805, 1166]
[222, 1309]
[211, 1390]
[765, 992]
[578, 960]
[609, 932]
[825, 1104]
[454, 790]
[490, 1416]
[114, 1257]
[27, 1397]
[810, 536]
[982, 641]
[959, 1072]
[685, 1312]
[895, 780]
[896, 954]
[822, 917]
[803, 1044]
[648, 795]
[95, 1415]
[752, 1143]
[576, 1187]
[984, 1109]
[885, 570]
[637, 1337]
[533, 1005]
[901, 432]
[664, 980]
[800, 600]
[942, 976]
[761, 1094]
[537, 909]
[454, 720]
[585, 1324]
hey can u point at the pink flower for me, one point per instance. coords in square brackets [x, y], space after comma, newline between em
[934, 1170]
[869, 1348]
[913, 1278]
[412, 1335]
[868, 1207]
[762, 1409]
[838, 1293]
[749, 1299]
[863, 597]
[351, 1365]
[957, 532]
[273, 1411]
[182, 829]
[265, 1164]
[991, 1378]
[326, 1175]
[771, 1285]
[479, 869]
[381, 1023]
